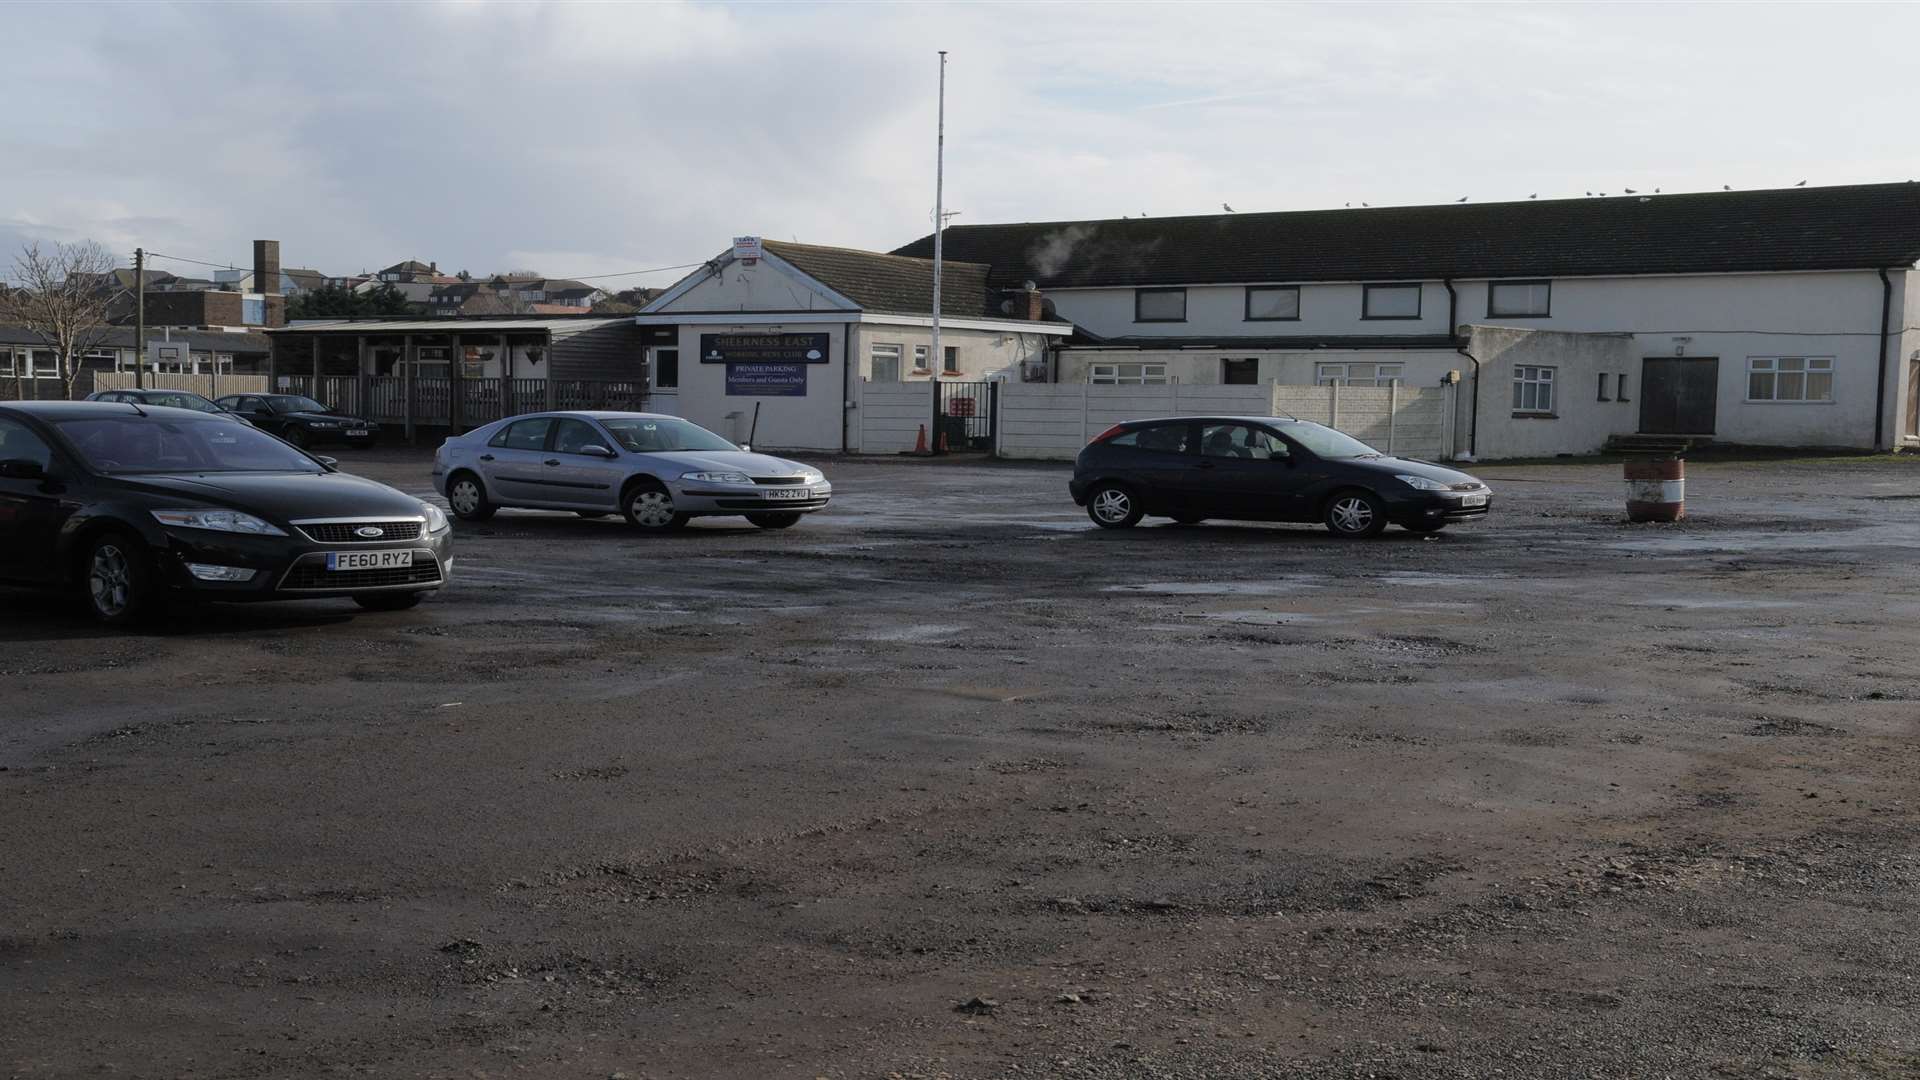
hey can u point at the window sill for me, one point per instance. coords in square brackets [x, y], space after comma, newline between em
[1789, 401]
[1536, 416]
[1498, 315]
[1389, 318]
[1159, 320]
[1272, 318]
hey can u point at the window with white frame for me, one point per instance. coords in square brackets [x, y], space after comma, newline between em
[1519, 299]
[920, 354]
[1532, 389]
[1789, 378]
[1159, 305]
[1127, 374]
[1358, 374]
[886, 362]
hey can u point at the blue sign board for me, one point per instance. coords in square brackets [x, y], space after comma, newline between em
[767, 380]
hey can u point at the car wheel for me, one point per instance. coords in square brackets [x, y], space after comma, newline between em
[649, 508]
[774, 521]
[1355, 515]
[1187, 519]
[468, 498]
[119, 581]
[388, 601]
[1113, 506]
[1425, 527]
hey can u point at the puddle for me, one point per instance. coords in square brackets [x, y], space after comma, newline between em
[1811, 540]
[1214, 588]
[1710, 603]
[1417, 580]
[1256, 618]
[916, 632]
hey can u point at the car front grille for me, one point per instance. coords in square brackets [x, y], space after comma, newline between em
[1466, 487]
[784, 481]
[310, 574]
[343, 532]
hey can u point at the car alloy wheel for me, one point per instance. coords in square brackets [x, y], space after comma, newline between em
[110, 581]
[1355, 514]
[1113, 507]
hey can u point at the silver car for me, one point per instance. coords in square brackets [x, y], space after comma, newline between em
[657, 470]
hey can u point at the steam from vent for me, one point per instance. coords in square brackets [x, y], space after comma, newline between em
[1050, 255]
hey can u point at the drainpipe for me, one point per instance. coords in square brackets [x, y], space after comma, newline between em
[1880, 395]
[1473, 420]
[846, 383]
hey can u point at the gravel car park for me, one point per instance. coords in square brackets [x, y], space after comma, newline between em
[954, 783]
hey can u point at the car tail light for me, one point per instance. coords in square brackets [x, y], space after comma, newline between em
[1109, 433]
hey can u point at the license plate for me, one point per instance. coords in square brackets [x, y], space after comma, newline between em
[369, 560]
[789, 493]
[1474, 500]
[357, 432]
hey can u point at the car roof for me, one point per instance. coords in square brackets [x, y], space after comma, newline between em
[83, 410]
[1212, 419]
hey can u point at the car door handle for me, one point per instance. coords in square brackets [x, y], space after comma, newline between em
[486, 457]
[553, 461]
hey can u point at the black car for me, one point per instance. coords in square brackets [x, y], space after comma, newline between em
[170, 399]
[1265, 468]
[135, 505]
[301, 420]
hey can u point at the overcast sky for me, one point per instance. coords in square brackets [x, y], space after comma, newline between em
[593, 138]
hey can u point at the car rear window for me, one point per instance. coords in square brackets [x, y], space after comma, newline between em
[1165, 438]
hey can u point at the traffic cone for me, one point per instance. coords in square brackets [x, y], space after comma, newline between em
[943, 442]
[920, 441]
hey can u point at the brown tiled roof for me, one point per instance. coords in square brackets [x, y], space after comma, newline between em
[1831, 228]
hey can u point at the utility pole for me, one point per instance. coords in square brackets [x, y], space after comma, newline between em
[139, 317]
[938, 358]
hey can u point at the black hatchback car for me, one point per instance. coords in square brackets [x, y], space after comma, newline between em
[1265, 468]
[134, 505]
[171, 399]
[301, 420]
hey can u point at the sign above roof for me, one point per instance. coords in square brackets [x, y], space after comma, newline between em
[747, 249]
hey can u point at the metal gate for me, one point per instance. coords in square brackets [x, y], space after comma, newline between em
[963, 416]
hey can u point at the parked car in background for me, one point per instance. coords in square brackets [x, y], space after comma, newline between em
[660, 471]
[167, 399]
[301, 420]
[1265, 468]
[136, 506]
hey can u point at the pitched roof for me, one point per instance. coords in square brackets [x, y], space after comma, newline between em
[411, 266]
[121, 337]
[893, 284]
[1830, 228]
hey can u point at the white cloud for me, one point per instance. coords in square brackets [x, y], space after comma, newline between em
[588, 138]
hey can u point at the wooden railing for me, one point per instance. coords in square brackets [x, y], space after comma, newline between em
[459, 403]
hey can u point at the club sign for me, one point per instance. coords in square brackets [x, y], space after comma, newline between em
[763, 348]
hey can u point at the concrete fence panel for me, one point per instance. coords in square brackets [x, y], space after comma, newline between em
[892, 415]
[1052, 421]
[1402, 420]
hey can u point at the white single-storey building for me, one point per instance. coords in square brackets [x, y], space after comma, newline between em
[1782, 317]
[776, 343]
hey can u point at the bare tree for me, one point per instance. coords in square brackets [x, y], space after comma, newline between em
[63, 296]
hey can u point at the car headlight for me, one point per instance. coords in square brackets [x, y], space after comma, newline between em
[230, 521]
[718, 477]
[1421, 483]
[323, 423]
[813, 476]
[436, 518]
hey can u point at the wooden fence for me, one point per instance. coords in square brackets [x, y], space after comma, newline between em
[204, 385]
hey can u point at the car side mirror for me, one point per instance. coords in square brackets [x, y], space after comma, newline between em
[22, 469]
[596, 450]
[329, 462]
[746, 446]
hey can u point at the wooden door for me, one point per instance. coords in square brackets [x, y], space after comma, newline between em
[1679, 395]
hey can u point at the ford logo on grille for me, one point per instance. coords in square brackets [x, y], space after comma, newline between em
[371, 532]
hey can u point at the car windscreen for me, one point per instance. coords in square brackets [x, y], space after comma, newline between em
[662, 434]
[137, 444]
[1326, 442]
[295, 403]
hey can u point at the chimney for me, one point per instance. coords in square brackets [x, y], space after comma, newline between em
[433, 268]
[1025, 303]
[266, 266]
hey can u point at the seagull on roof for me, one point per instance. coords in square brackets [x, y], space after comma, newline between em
[1589, 194]
[1370, 204]
[1726, 187]
[1228, 209]
[1462, 198]
[1629, 191]
[1535, 195]
[1802, 183]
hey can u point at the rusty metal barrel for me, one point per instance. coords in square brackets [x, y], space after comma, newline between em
[1656, 490]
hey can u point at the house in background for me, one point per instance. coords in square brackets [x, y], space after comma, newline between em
[513, 295]
[793, 332]
[1781, 317]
